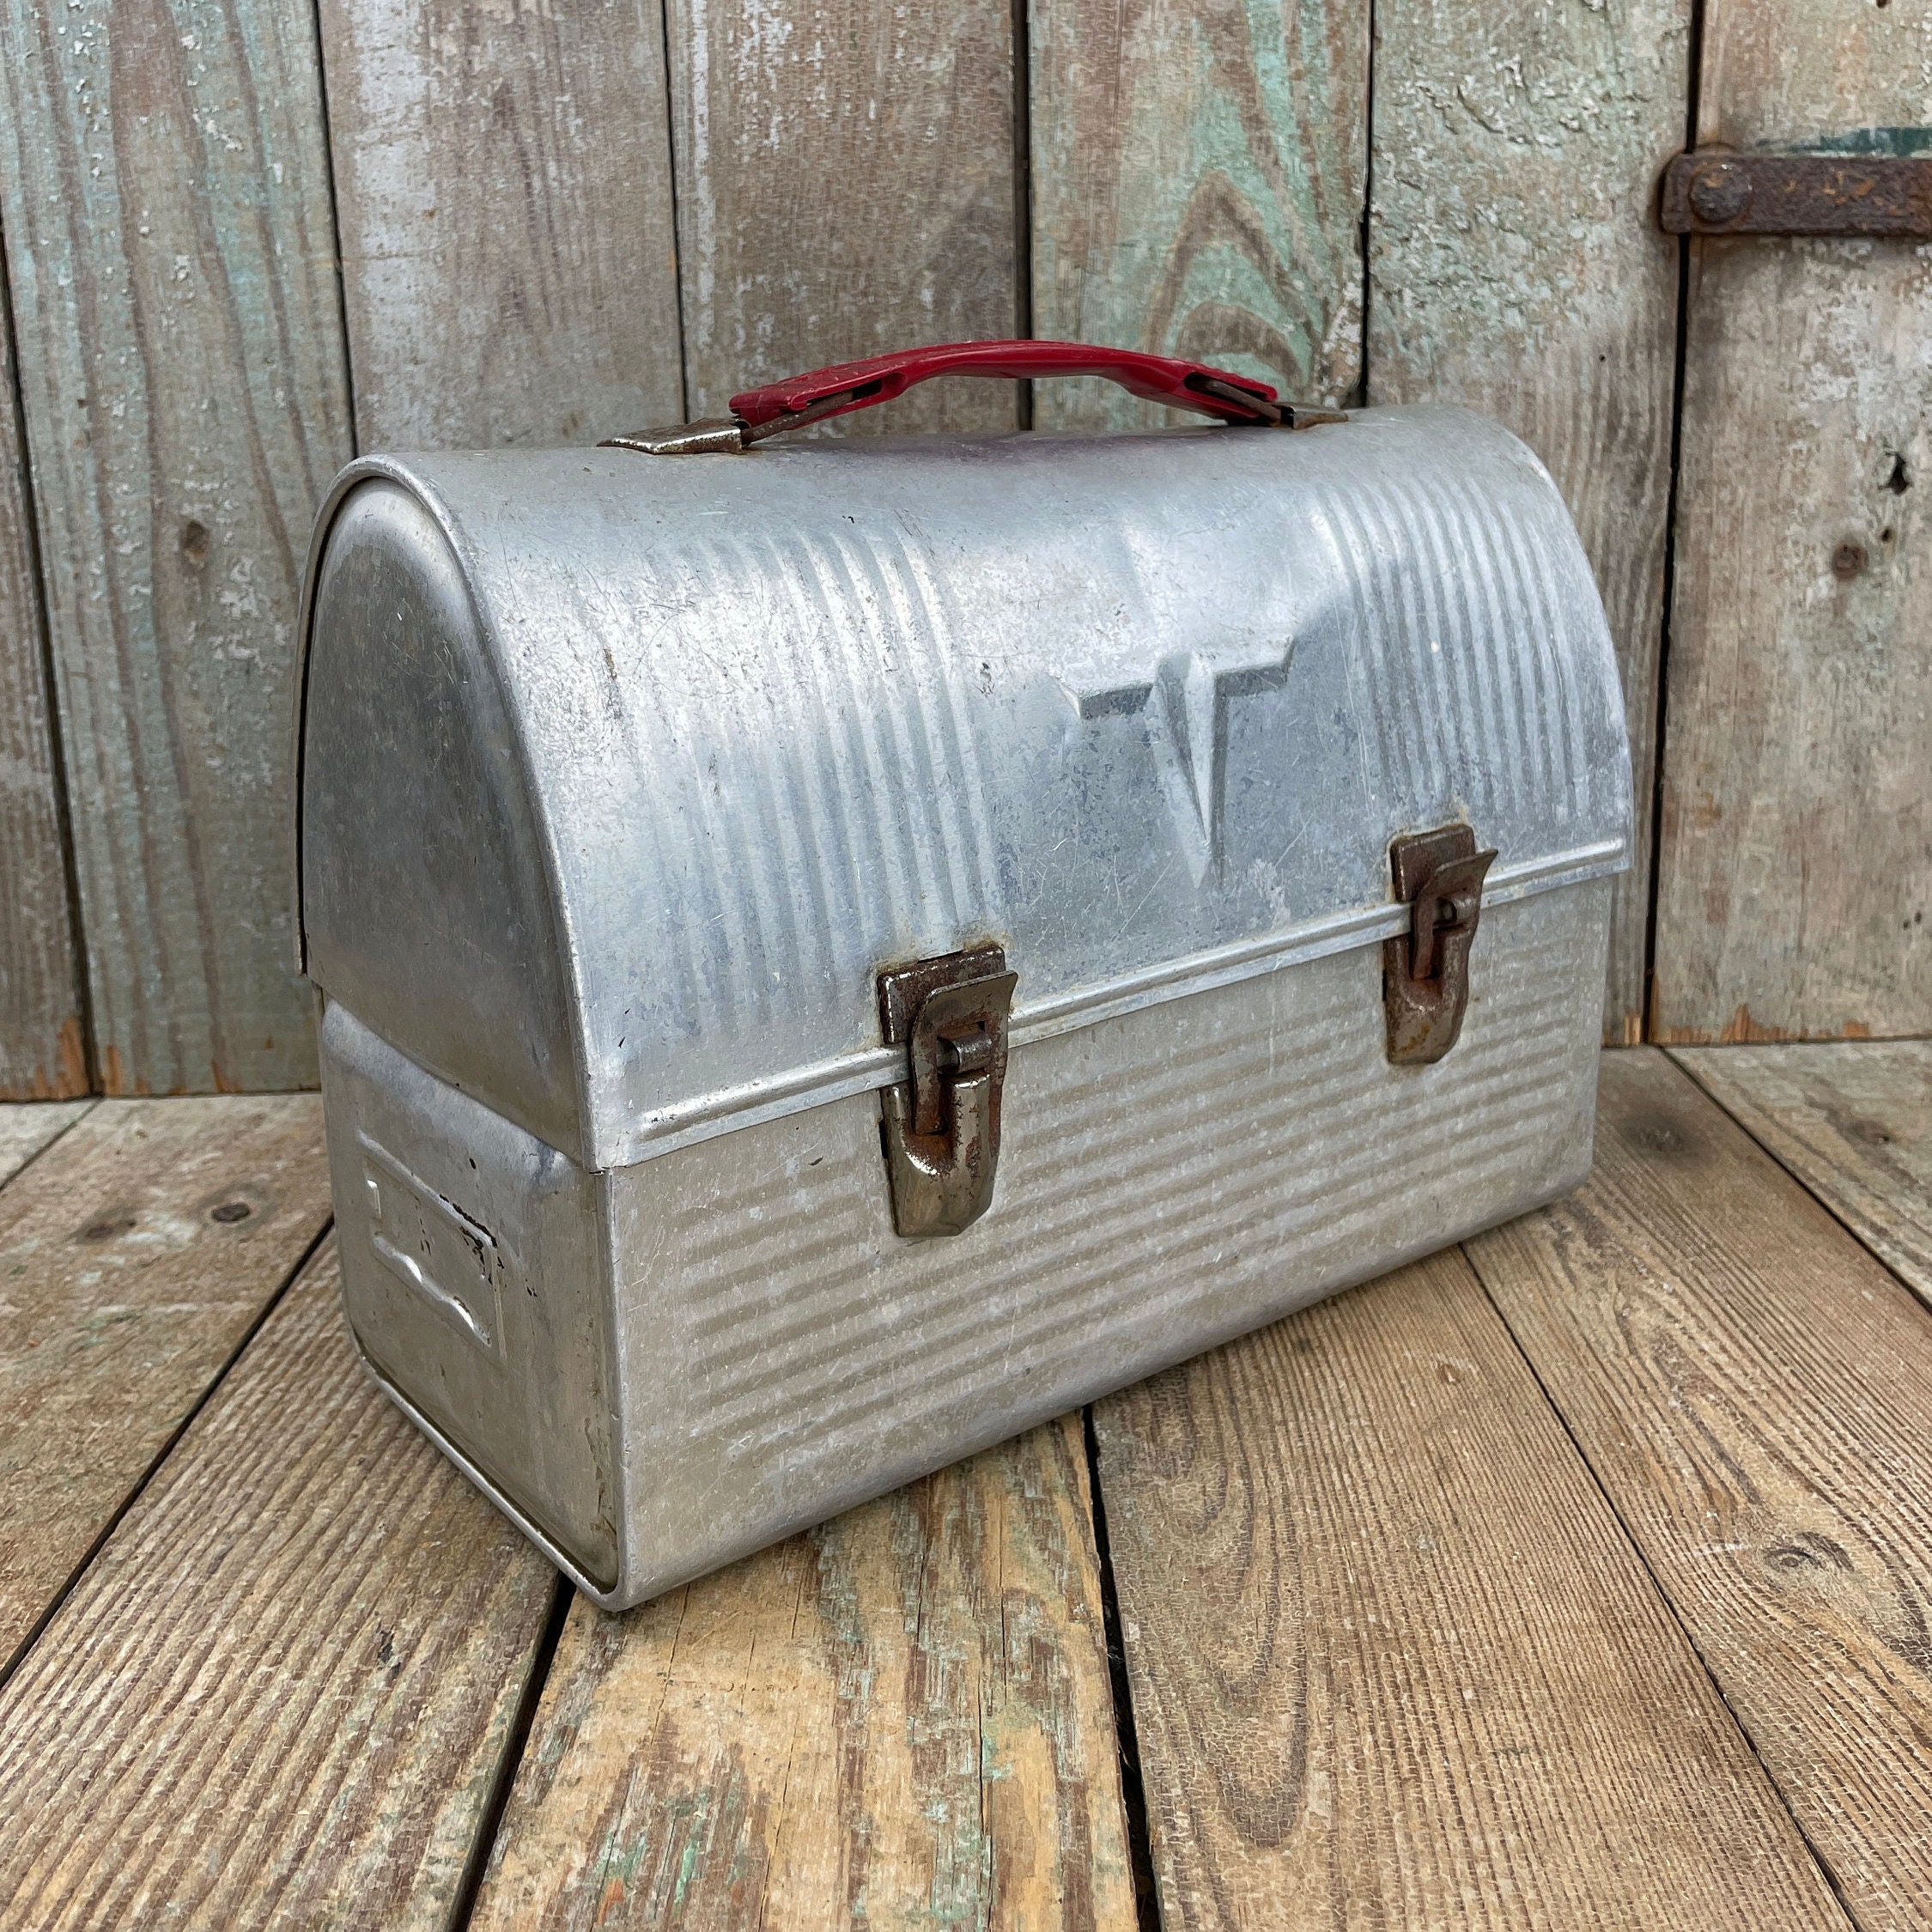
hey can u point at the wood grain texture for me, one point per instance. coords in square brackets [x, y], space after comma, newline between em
[845, 187]
[121, 1296]
[1796, 858]
[1754, 1392]
[281, 1693]
[1852, 1119]
[166, 203]
[504, 198]
[25, 1129]
[1393, 1662]
[901, 1720]
[42, 1052]
[1514, 266]
[1198, 175]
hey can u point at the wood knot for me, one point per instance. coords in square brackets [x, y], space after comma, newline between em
[1807, 1551]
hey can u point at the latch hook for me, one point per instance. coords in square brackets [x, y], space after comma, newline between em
[1425, 971]
[941, 1127]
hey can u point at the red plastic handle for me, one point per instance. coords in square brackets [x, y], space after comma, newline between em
[857, 385]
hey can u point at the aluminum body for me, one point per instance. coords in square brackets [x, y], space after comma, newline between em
[623, 776]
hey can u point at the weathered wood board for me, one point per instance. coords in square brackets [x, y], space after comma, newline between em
[1797, 833]
[1853, 1121]
[1393, 1661]
[1198, 175]
[1515, 266]
[1754, 1393]
[135, 1255]
[42, 1052]
[504, 198]
[25, 1129]
[282, 1693]
[164, 195]
[845, 186]
[901, 1720]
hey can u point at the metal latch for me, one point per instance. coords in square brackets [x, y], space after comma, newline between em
[1425, 971]
[941, 1127]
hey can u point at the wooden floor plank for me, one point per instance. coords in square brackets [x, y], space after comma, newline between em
[1853, 1121]
[26, 1129]
[135, 1254]
[1393, 1662]
[1754, 1392]
[281, 1693]
[901, 1720]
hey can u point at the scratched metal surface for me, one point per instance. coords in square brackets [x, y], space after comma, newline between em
[623, 775]
[1169, 1178]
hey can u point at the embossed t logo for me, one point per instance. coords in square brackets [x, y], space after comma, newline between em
[1185, 707]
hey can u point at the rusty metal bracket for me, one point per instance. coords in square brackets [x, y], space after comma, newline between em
[940, 1128]
[1425, 971]
[1273, 416]
[714, 435]
[1713, 191]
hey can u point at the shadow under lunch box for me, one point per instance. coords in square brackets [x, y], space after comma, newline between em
[833, 954]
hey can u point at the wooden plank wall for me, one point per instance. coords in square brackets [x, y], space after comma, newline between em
[845, 186]
[503, 194]
[1514, 266]
[554, 223]
[164, 194]
[1797, 821]
[1197, 176]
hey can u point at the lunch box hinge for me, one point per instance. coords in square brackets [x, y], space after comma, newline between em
[941, 1127]
[1425, 971]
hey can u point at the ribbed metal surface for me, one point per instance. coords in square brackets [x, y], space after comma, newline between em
[1169, 1179]
[780, 719]
[1466, 658]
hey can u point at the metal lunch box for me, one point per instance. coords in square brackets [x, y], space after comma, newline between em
[833, 954]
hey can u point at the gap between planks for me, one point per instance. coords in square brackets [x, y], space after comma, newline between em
[1395, 1661]
[902, 1716]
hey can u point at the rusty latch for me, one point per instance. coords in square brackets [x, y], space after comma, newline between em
[1713, 191]
[1425, 971]
[941, 1127]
